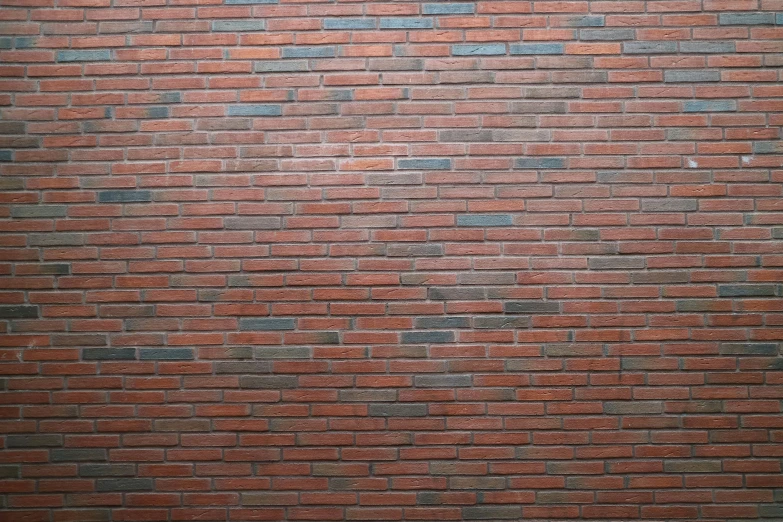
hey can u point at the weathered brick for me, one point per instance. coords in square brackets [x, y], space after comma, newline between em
[255, 110]
[539, 163]
[109, 354]
[691, 76]
[669, 205]
[414, 250]
[442, 381]
[424, 164]
[746, 18]
[33, 441]
[462, 135]
[455, 8]
[484, 220]
[606, 34]
[280, 66]
[398, 410]
[710, 106]
[238, 25]
[78, 455]
[763, 290]
[478, 49]
[492, 513]
[442, 322]
[707, 47]
[749, 349]
[246, 367]
[426, 337]
[267, 381]
[633, 408]
[537, 48]
[166, 354]
[349, 23]
[651, 47]
[406, 23]
[19, 311]
[326, 51]
[692, 466]
[615, 263]
[39, 211]
[501, 321]
[532, 307]
[92, 55]
[282, 352]
[125, 484]
[267, 323]
[539, 107]
[125, 196]
[106, 470]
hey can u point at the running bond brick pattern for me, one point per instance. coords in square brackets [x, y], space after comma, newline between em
[391, 260]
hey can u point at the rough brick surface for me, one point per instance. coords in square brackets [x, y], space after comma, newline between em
[391, 260]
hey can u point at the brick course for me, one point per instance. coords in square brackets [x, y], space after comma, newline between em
[391, 260]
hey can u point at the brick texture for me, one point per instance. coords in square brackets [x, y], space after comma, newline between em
[391, 260]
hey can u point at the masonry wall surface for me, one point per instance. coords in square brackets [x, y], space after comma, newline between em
[401, 260]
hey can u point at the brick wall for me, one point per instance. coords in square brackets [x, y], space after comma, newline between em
[402, 260]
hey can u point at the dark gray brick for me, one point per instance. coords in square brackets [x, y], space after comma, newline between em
[78, 455]
[9, 471]
[691, 466]
[55, 268]
[697, 305]
[78, 340]
[708, 47]
[442, 381]
[633, 408]
[281, 66]
[456, 293]
[465, 135]
[109, 354]
[367, 395]
[269, 382]
[763, 290]
[265, 109]
[283, 352]
[397, 64]
[56, 239]
[436, 9]
[691, 76]
[615, 263]
[492, 513]
[669, 205]
[424, 164]
[747, 18]
[497, 322]
[553, 92]
[39, 211]
[427, 337]
[538, 107]
[406, 23]
[539, 163]
[442, 322]
[349, 23]
[398, 410]
[166, 354]
[662, 277]
[606, 34]
[478, 49]
[124, 484]
[532, 307]
[771, 510]
[96, 55]
[252, 223]
[267, 323]
[709, 106]
[6, 155]
[585, 21]
[34, 441]
[768, 147]
[19, 312]
[749, 349]
[662, 47]
[327, 51]
[484, 220]
[8, 183]
[537, 48]
[107, 470]
[264, 498]
[414, 250]
[125, 196]
[238, 26]
[244, 367]
[477, 483]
